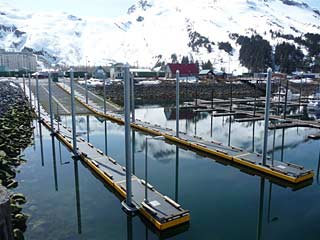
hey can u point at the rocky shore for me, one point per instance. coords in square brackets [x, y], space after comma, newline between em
[15, 135]
[164, 93]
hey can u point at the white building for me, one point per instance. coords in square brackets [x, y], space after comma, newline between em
[15, 61]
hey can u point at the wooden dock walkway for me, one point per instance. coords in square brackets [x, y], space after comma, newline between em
[286, 171]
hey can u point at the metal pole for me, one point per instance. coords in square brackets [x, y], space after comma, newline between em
[146, 173]
[105, 111]
[177, 102]
[106, 137]
[211, 99]
[104, 94]
[253, 135]
[29, 77]
[24, 84]
[133, 151]
[266, 116]
[255, 99]
[86, 83]
[74, 129]
[231, 94]
[282, 144]
[88, 128]
[196, 100]
[300, 92]
[128, 204]
[286, 101]
[132, 99]
[38, 98]
[229, 135]
[279, 95]
[273, 145]
[50, 104]
[211, 130]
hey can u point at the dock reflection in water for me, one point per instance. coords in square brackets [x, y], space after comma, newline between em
[84, 208]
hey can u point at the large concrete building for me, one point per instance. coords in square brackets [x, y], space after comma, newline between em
[16, 61]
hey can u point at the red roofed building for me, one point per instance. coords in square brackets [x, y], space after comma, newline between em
[186, 70]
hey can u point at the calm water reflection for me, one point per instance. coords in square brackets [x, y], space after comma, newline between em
[66, 201]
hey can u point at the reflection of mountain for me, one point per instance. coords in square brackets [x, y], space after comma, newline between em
[163, 153]
[170, 114]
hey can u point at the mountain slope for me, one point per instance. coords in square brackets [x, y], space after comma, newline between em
[153, 30]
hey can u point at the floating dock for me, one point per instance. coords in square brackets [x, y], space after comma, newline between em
[160, 210]
[285, 171]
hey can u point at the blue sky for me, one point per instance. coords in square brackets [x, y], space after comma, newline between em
[98, 8]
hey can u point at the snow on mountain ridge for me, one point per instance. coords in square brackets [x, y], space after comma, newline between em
[155, 28]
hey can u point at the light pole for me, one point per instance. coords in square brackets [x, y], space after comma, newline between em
[146, 168]
[266, 116]
[177, 102]
[127, 204]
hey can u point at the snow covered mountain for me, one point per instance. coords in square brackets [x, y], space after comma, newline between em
[153, 30]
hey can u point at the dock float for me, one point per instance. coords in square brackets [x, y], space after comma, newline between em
[285, 171]
[160, 210]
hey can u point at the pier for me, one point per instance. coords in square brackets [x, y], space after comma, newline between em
[160, 210]
[285, 171]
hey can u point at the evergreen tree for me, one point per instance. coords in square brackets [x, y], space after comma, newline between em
[174, 58]
[185, 60]
[288, 57]
[207, 65]
[255, 53]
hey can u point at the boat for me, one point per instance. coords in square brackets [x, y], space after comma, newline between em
[281, 95]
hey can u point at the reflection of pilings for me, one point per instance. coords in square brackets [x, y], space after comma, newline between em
[260, 214]
[88, 128]
[269, 203]
[54, 163]
[129, 227]
[41, 144]
[177, 175]
[195, 123]
[318, 169]
[76, 180]
[211, 130]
